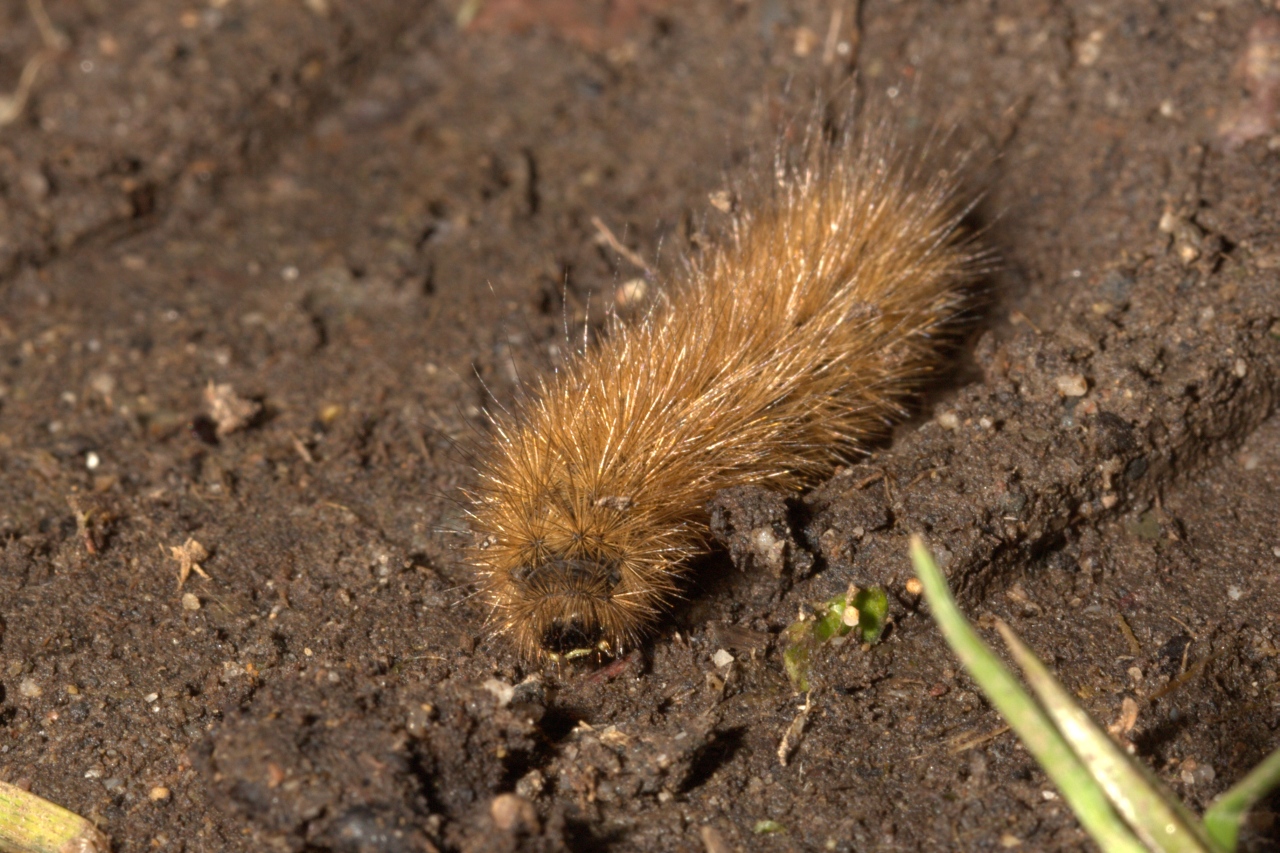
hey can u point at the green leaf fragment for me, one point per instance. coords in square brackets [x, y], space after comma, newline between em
[795, 660]
[831, 623]
[768, 827]
[873, 610]
[864, 620]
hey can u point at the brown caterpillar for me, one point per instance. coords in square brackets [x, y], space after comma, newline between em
[782, 351]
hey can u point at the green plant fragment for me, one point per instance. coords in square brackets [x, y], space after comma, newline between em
[835, 619]
[795, 659]
[1222, 819]
[29, 824]
[873, 610]
[1152, 810]
[830, 623]
[1031, 723]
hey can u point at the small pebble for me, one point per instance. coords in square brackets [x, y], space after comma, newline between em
[713, 841]
[190, 601]
[513, 813]
[159, 794]
[501, 691]
[1089, 50]
[531, 784]
[768, 548]
[1072, 385]
[721, 658]
[1195, 773]
[631, 293]
[721, 200]
[28, 688]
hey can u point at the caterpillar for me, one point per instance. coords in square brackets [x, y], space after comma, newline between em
[782, 351]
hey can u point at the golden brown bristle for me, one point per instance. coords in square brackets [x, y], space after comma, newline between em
[783, 351]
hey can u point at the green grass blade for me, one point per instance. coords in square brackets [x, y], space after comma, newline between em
[1153, 811]
[1222, 820]
[1083, 794]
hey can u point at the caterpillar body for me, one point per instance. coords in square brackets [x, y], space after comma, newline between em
[782, 351]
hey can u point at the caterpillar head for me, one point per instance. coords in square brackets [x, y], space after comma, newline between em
[564, 607]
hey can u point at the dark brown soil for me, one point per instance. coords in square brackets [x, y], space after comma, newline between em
[365, 218]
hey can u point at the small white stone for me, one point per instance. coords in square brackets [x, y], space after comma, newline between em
[768, 548]
[513, 813]
[721, 200]
[501, 691]
[1089, 51]
[631, 293]
[721, 658]
[1072, 385]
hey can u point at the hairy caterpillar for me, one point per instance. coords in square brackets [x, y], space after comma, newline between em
[782, 351]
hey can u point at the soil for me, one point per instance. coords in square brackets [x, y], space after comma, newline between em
[265, 266]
